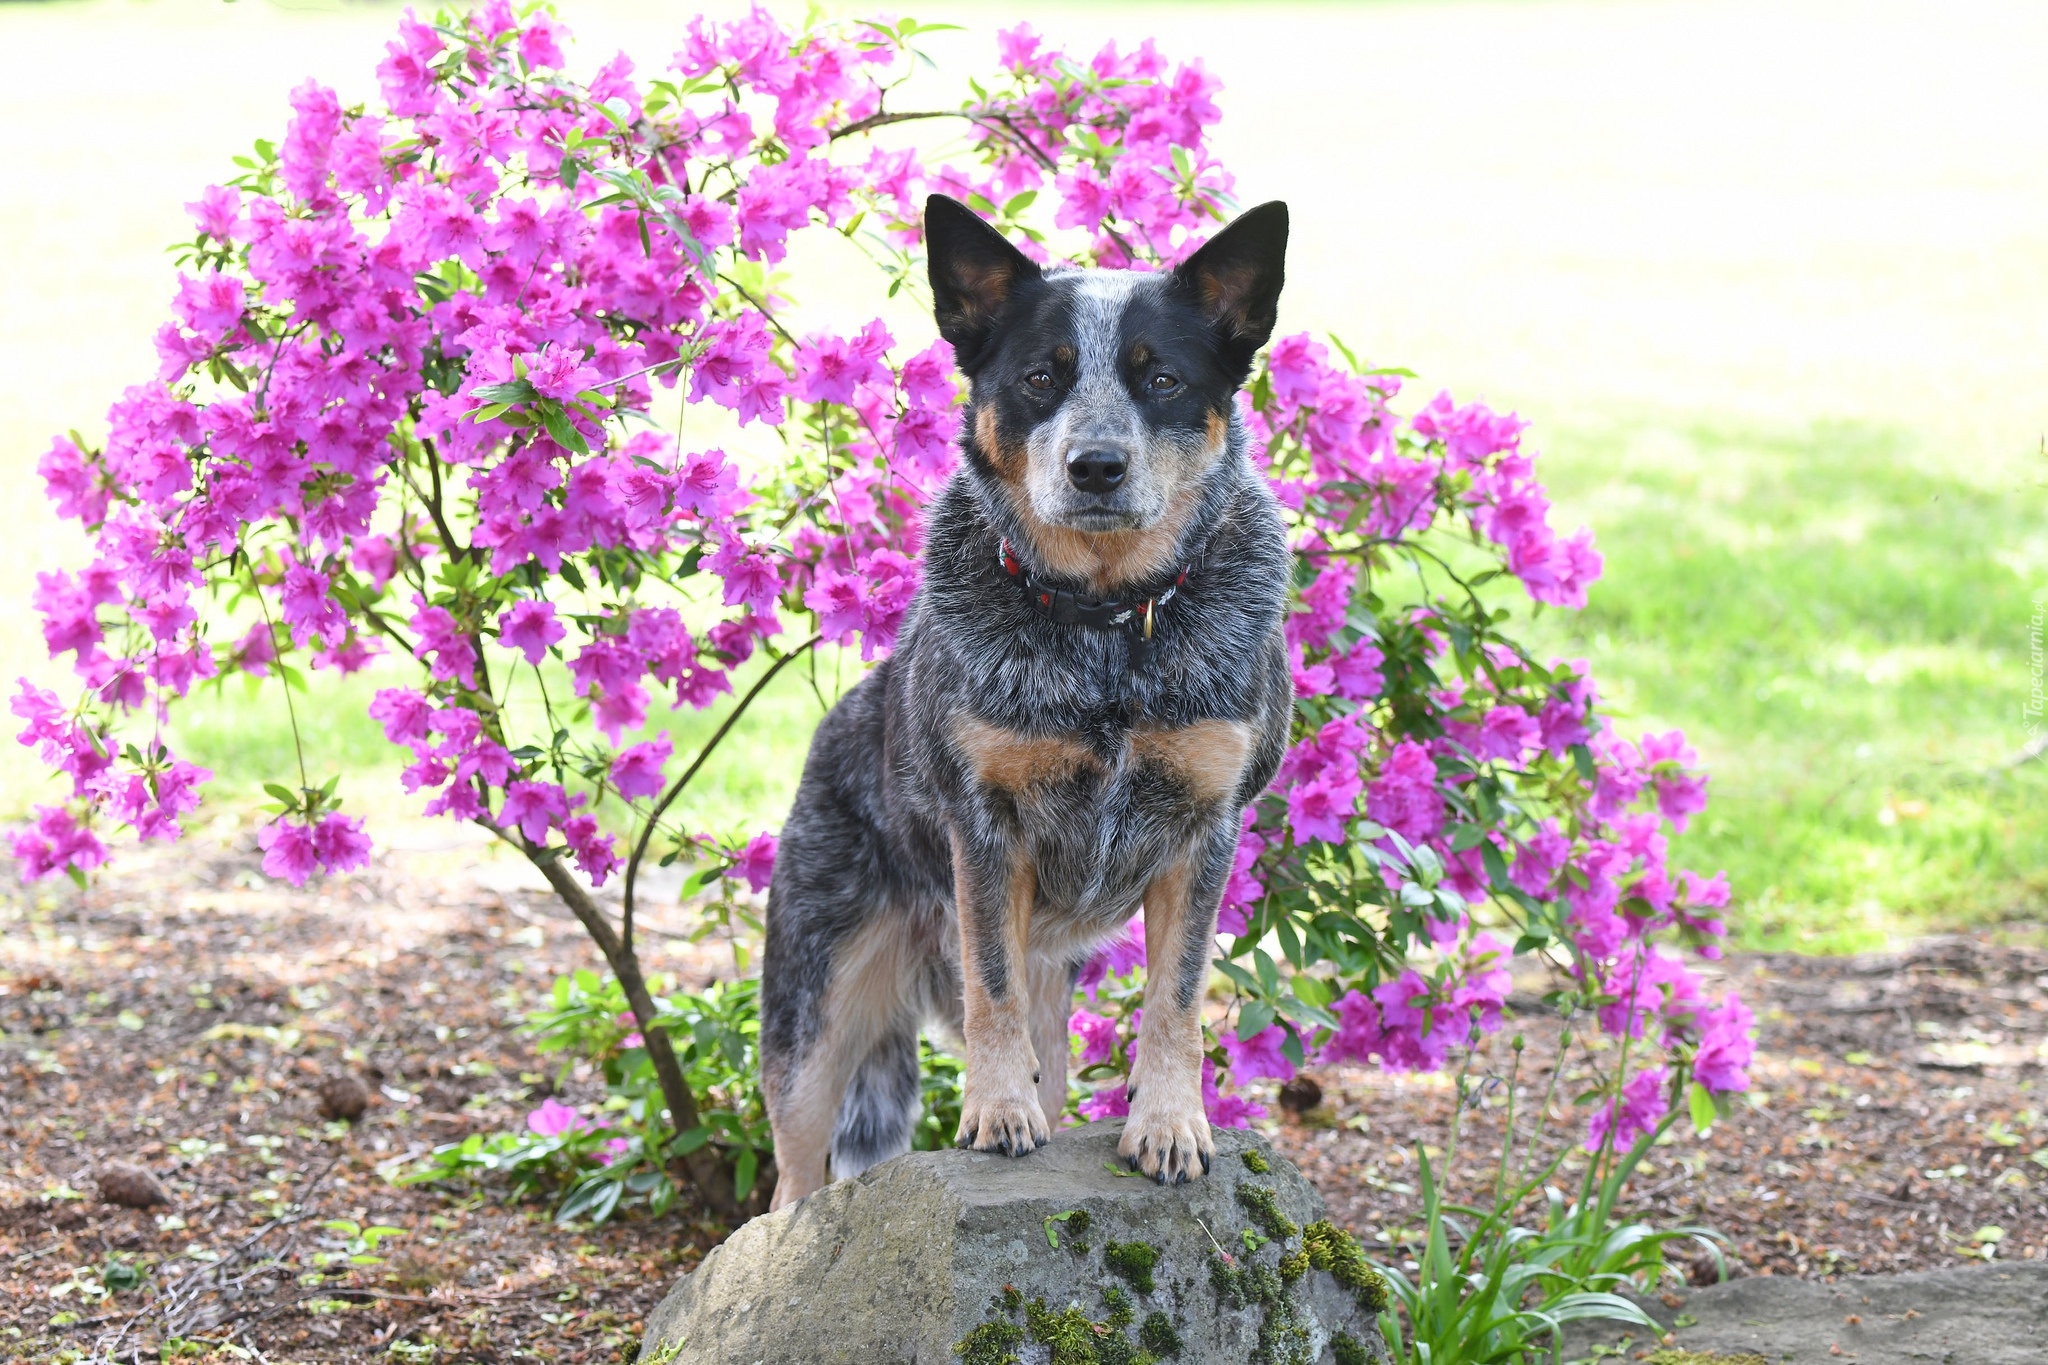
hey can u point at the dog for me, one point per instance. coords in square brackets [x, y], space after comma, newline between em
[1088, 689]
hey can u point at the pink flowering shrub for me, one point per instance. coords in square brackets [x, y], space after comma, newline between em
[404, 420]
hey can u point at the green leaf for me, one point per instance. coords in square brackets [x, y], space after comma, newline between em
[1312, 990]
[1496, 866]
[1253, 1018]
[745, 1167]
[511, 391]
[1701, 1103]
[564, 433]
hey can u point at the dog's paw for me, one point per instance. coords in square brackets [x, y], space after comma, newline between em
[1169, 1142]
[1010, 1123]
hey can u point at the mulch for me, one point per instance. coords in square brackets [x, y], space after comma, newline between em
[182, 1012]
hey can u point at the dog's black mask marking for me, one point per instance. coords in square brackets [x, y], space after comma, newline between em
[1101, 397]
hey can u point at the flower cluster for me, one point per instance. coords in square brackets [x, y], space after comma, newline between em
[404, 418]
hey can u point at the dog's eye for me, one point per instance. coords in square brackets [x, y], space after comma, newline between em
[1039, 379]
[1164, 383]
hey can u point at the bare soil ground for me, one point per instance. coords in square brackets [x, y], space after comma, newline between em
[180, 1014]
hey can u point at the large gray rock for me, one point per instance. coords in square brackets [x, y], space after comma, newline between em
[940, 1257]
[1994, 1314]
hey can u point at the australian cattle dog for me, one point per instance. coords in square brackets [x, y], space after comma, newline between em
[1087, 691]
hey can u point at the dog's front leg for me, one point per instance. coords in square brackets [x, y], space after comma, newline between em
[1167, 1133]
[994, 884]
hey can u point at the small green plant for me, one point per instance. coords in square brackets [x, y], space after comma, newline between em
[353, 1243]
[121, 1276]
[940, 1082]
[621, 1157]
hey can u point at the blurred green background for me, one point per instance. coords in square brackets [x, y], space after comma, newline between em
[1770, 280]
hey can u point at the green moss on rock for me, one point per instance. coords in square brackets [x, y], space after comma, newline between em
[1264, 1207]
[1331, 1248]
[1133, 1261]
[1075, 1340]
[992, 1343]
[1158, 1337]
[1255, 1162]
[1349, 1350]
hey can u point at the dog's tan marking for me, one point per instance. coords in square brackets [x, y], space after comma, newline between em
[1066, 357]
[1015, 762]
[1207, 757]
[1167, 1134]
[1219, 429]
[999, 1108]
[1108, 560]
[1141, 355]
[1008, 460]
[866, 996]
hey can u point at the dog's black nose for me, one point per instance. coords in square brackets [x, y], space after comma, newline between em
[1096, 471]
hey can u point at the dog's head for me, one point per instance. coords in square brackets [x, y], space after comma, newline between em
[1101, 398]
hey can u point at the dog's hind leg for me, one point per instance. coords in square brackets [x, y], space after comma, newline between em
[1052, 1005]
[856, 1017]
[881, 1105]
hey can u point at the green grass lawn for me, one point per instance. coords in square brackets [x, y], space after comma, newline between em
[1843, 635]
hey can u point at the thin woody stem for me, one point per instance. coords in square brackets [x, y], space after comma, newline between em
[668, 798]
[702, 1165]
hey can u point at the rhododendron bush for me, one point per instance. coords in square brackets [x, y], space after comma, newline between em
[406, 420]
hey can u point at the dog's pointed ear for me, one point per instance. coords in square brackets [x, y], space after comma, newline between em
[1235, 279]
[974, 272]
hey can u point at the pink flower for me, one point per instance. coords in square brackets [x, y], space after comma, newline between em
[1259, 1056]
[307, 608]
[1319, 809]
[1357, 1037]
[1226, 1111]
[1634, 1114]
[534, 807]
[830, 368]
[1121, 955]
[756, 863]
[1727, 1046]
[555, 1119]
[1404, 797]
[440, 640]
[530, 627]
[339, 843]
[1098, 1035]
[57, 841]
[288, 851]
[560, 373]
[1355, 674]
[596, 853]
[404, 714]
[1112, 1101]
[636, 772]
[1412, 1037]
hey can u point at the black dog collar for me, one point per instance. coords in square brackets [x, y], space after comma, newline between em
[1133, 615]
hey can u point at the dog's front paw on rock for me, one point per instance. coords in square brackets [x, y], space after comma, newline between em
[1171, 1145]
[1012, 1124]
